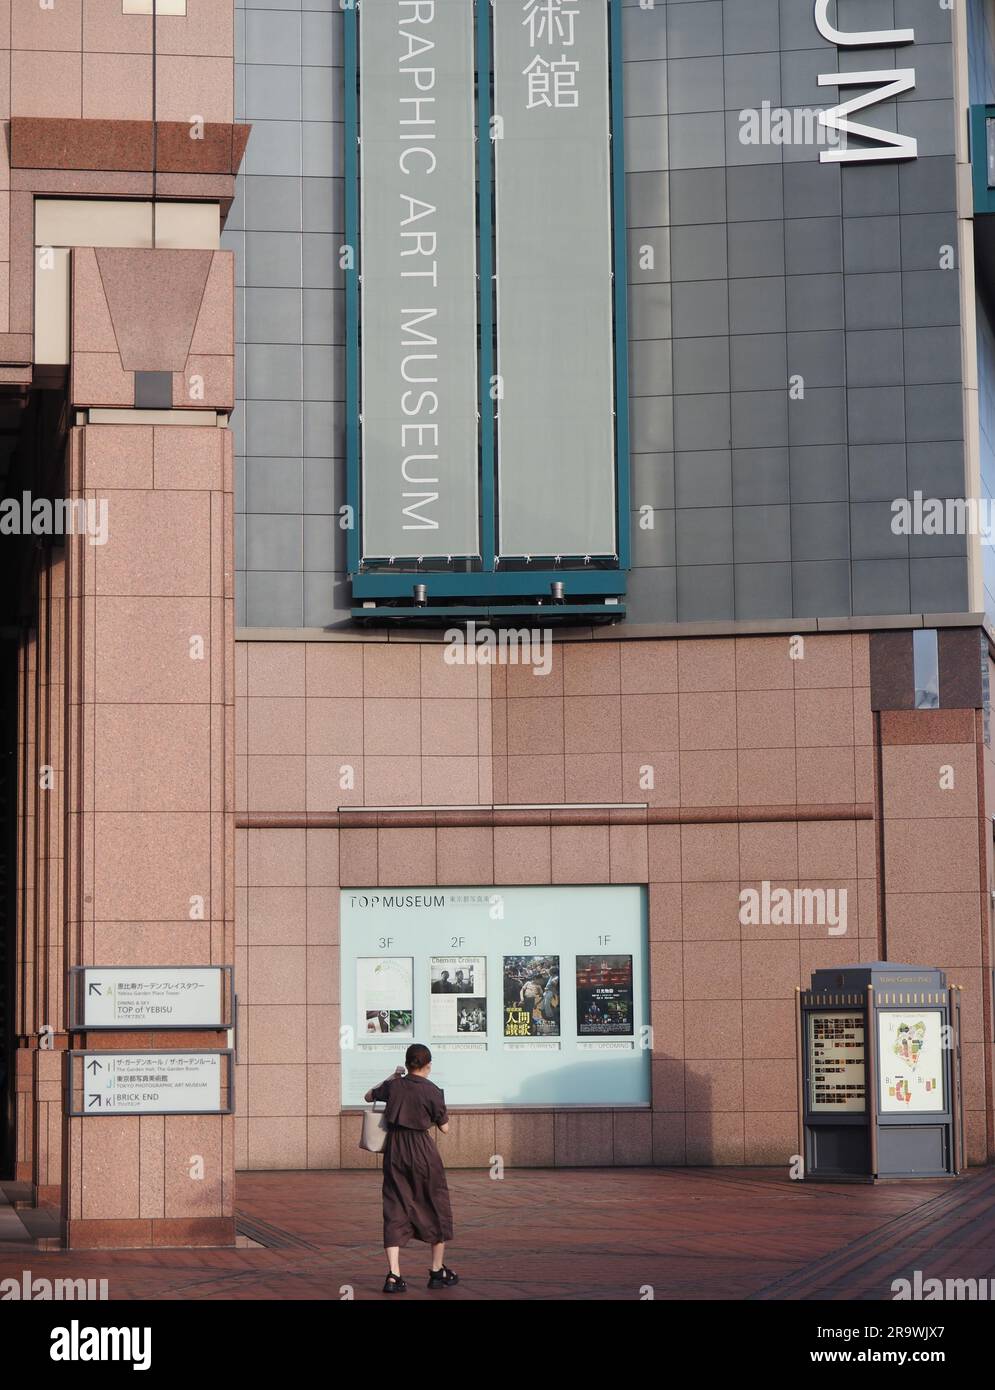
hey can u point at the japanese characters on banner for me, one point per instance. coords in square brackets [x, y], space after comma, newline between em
[552, 25]
[910, 1060]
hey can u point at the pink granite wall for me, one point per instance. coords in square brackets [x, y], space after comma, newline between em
[937, 842]
[88, 59]
[745, 744]
[127, 797]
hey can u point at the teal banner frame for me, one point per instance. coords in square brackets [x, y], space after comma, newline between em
[379, 586]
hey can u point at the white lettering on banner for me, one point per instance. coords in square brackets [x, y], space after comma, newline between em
[419, 470]
[550, 20]
[890, 83]
[418, 357]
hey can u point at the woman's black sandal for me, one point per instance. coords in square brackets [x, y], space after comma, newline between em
[394, 1284]
[443, 1278]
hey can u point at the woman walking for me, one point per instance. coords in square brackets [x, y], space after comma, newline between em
[415, 1192]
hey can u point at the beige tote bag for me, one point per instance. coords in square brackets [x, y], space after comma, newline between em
[374, 1133]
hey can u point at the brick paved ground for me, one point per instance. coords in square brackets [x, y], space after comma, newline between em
[585, 1234]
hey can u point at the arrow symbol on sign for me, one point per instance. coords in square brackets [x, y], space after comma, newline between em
[95, 989]
[95, 1065]
[94, 1100]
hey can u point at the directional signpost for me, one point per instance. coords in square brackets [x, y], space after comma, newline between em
[151, 997]
[150, 1083]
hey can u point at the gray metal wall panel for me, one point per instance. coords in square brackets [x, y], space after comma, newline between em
[788, 234]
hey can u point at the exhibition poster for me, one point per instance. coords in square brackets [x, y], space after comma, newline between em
[910, 1060]
[531, 996]
[458, 986]
[384, 1000]
[604, 996]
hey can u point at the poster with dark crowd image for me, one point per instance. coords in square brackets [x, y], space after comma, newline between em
[604, 996]
[531, 996]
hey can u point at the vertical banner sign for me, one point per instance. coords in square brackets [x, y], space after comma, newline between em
[419, 291]
[556, 431]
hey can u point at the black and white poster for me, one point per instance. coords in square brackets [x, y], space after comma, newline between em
[458, 985]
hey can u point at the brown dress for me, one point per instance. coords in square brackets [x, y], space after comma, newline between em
[415, 1191]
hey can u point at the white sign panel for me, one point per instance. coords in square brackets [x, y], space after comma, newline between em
[143, 1083]
[170, 997]
[910, 1060]
[419, 279]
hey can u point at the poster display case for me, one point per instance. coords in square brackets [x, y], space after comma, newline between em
[527, 996]
[879, 1093]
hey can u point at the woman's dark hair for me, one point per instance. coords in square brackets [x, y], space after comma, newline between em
[417, 1056]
